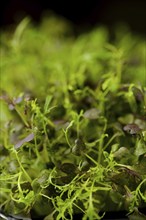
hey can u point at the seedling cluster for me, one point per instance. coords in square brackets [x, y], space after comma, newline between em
[73, 122]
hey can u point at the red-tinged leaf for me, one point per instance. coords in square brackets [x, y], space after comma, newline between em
[132, 129]
[29, 138]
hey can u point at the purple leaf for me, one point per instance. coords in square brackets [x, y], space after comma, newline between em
[132, 128]
[29, 138]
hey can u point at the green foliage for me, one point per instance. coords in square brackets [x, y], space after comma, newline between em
[73, 131]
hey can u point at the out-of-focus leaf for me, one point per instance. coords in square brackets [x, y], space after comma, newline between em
[68, 168]
[47, 103]
[79, 147]
[140, 149]
[43, 177]
[49, 217]
[29, 138]
[132, 128]
[144, 135]
[92, 113]
[141, 166]
[115, 196]
[121, 152]
[141, 123]
[136, 215]
[138, 94]
[126, 119]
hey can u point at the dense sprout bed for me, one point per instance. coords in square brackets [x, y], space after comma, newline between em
[73, 132]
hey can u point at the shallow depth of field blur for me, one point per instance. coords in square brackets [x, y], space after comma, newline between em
[73, 111]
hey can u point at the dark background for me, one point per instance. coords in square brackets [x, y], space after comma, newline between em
[83, 13]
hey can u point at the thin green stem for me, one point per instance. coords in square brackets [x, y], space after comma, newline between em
[111, 139]
[100, 150]
[22, 117]
[22, 168]
[66, 133]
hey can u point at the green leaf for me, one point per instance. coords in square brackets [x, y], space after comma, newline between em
[92, 113]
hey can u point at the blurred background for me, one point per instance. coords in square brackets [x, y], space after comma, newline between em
[83, 14]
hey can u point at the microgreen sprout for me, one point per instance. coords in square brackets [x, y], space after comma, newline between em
[73, 131]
